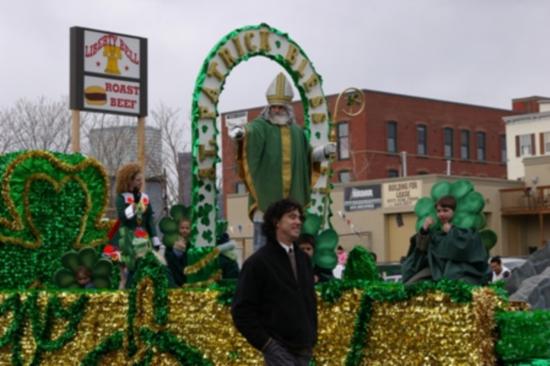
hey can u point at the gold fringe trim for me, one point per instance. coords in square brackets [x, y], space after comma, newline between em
[201, 263]
[215, 277]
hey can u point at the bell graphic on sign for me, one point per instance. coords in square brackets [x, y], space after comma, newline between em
[112, 53]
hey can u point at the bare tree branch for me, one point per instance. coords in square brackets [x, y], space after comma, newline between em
[173, 140]
[46, 125]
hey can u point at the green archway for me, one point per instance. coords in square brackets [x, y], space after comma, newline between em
[237, 46]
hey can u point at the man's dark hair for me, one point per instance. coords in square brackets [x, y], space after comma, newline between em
[447, 202]
[496, 259]
[306, 239]
[274, 213]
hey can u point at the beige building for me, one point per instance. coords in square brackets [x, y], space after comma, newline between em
[379, 214]
[525, 210]
[527, 136]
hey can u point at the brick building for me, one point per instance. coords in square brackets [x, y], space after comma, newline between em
[399, 135]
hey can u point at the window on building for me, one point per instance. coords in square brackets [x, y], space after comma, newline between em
[503, 157]
[448, 143]
[480, 144]
[343, 140]
[391, 132]
[392, 173]
[465, 145]
[240, 188]
[545, 143]
[525, 145]
[422, 172]
[421, 137]
[344, 176]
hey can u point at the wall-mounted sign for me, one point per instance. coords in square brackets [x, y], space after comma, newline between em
[399, 194]
[108, 72]
[362, 198]
[236, 116]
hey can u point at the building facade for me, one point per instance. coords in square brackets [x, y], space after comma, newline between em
[399, 135]
[379, 214]
[526, 210]
[527, 136]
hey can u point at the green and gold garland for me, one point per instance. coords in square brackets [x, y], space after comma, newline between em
[447, 322]
[50, 203]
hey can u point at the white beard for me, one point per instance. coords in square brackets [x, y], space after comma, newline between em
[280, 120]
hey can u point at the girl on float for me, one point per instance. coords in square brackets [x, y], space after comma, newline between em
[136, 235]
[449, 252]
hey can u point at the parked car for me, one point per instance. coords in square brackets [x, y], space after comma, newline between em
[390, 271]
[512, 262]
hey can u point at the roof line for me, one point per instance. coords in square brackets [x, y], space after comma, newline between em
[393, 94]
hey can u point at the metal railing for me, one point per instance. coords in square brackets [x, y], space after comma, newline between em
[525, 200]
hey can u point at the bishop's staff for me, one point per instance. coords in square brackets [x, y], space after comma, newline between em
[355, 104]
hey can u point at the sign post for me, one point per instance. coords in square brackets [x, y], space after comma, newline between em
[75, 130]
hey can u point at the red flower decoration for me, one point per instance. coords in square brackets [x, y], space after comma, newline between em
[109, 249]
[145, 200]
[111, 252]
[129, 199]
[140, 233]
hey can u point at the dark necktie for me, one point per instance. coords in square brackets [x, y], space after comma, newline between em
[293, 263]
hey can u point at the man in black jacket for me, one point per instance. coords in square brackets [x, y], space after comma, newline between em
[275, 305]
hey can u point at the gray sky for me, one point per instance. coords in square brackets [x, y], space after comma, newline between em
[472, 51]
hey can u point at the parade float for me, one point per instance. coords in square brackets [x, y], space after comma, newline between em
[51, 210]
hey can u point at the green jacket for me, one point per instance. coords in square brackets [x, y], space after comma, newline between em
[131, 247]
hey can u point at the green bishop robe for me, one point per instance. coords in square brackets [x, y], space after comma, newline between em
[275, 163]
[456, 255]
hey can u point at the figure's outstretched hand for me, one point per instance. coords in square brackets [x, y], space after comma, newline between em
[235, 128]
[330, 150]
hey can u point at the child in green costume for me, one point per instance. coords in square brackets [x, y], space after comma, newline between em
[452, 252]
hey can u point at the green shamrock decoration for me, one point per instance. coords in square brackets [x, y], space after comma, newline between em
[83, 269]
[169, 225]
[325, 241]
[469, 209]
[52, 203]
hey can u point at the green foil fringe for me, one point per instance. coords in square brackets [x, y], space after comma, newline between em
[524, 336]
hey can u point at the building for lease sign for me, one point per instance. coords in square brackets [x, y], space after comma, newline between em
[400, 194]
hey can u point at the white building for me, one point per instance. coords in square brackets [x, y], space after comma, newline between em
[527, 136]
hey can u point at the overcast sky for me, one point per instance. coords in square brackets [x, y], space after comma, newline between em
[472, 51]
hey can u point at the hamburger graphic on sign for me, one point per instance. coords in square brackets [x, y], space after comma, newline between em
[95, 95]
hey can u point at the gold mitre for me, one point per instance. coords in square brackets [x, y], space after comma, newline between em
[279, 91]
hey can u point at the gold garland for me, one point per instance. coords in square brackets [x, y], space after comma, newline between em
[428, 329]
[16, 222]
[201, 263]
[215, 277]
